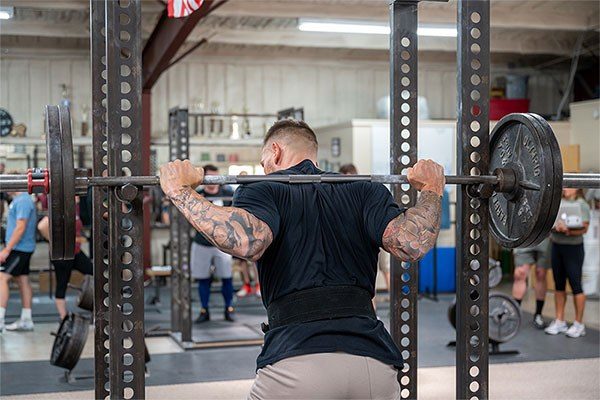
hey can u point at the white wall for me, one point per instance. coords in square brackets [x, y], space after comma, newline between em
[330, 91]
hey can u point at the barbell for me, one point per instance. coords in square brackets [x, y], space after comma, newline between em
[524, 185]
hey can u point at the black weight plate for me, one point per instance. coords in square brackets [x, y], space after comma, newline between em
[504, 317]
[56, 193]
[552, 211]
[85, 300]
[6, 122]
[69, 342]
[68, 183]
[452, 314]
[518, 142]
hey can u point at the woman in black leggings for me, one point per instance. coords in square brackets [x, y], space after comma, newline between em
[567, 262]
[63, 269]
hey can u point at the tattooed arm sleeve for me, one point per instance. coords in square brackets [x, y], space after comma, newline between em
[233, 230]
[412, 234]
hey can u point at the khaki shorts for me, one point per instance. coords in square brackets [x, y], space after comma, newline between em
[538, 255]
[383, 261]
[205, 259]
[326, 376]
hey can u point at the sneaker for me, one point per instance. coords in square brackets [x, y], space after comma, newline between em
[257, 291]
[576, 330]
[556, 327]
[229, 313]
[20, 325]
[2, 326]
[538, 321]
[244, 291]
[203, 317]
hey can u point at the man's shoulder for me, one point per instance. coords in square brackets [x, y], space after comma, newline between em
[23, 201]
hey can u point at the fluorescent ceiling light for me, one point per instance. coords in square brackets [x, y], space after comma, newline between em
[6, 12]
[437, 31]
[343, 26]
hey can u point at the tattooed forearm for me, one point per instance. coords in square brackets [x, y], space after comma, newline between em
[233, 230]
[411, 235]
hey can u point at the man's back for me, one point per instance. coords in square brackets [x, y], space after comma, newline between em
[323, 235]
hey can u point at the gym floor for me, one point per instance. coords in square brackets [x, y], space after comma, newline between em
[546, 367]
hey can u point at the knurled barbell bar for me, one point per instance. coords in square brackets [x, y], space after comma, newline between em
[524, 187]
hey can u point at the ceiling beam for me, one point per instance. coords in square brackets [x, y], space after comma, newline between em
[166, 40]
[502, 40]
[570, 16]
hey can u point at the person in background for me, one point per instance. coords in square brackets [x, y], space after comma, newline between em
[63, 268]
[15, 258]
[3, 195]
[246, 267]
[383, 260]
[204, 256]
[567, 262]
[348, 169]
[525, 259]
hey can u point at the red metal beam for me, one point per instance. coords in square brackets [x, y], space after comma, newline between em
[166, 40]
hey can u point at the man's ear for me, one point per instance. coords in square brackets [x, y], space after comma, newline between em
[277, 153]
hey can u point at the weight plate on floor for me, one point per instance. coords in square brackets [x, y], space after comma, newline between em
[452, 313]
[56, 193]
[69, 341]
[504, 317]
[495, 274]
[85, 300]
[520, 218]
[68, 168]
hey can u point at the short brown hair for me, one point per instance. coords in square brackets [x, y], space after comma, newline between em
[211, 167]
[348, 169]
[292, 127]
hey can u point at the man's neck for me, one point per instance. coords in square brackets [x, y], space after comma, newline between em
[297, 159]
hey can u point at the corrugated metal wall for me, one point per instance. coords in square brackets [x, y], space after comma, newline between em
[330, 91]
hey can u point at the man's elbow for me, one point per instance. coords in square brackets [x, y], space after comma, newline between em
[413, 251]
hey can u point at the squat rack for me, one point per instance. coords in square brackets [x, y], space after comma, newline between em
[115, 33]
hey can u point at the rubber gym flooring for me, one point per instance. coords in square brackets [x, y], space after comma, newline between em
[170, 365]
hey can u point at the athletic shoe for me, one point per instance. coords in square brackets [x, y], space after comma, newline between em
[538, 321]
[2, 328]
[203, 317]
[576, 330]
[229, 313]
[556, 327]
[244, 291]
[257, 291]
[20, 325]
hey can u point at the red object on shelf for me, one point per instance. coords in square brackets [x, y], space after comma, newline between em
[501, 107]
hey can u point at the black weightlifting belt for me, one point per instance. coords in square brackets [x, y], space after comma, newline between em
[320, 303]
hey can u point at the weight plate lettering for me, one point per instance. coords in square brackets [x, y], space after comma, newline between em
[557, 184]
[519, 219]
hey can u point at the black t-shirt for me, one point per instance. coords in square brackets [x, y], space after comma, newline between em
[323, 235]
[224, 191]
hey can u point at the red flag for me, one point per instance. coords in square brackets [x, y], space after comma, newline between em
[183, 8]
